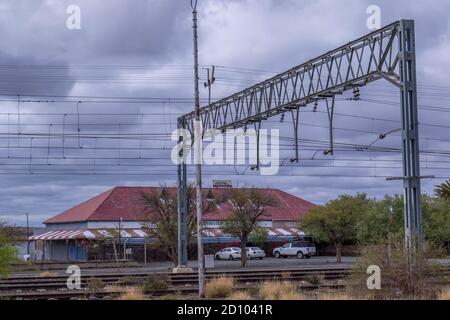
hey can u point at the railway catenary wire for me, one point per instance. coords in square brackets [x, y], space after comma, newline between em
[158, 137]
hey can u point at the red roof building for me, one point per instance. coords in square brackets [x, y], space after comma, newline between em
[84, 231]
[125, 203]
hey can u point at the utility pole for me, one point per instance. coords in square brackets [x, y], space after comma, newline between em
[120, 237]
[198, 159]
[209, 81]
[28, 235]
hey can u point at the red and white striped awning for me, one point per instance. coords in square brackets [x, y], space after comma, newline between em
[57, 235]
[273, 232]
[285, 232]
[139, 233]
[89, 234]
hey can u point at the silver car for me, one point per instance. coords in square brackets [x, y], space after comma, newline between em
[228, 253]
[255, 253]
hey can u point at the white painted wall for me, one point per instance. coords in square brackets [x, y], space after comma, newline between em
[65, 226]
[216, 223]
[114, 224]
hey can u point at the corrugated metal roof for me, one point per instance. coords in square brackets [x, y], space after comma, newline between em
[126, 203]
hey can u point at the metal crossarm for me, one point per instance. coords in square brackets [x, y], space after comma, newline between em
[357, 63]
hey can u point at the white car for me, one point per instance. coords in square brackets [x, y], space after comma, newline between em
[228, 253]
[298, 249]
[255, 253]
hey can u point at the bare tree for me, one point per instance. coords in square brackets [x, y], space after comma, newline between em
[248, 205]
[161, 213]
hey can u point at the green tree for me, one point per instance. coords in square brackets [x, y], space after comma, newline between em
[436, 220]
[247, 205]
[8, 253]
[259, 236]
[443, 190]
[381, 221]
[336, 221]
[384, 220]
[161, 216]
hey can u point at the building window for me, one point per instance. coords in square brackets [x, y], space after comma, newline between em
[212, 224]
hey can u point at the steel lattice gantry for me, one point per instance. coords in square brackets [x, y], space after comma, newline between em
[387, 53]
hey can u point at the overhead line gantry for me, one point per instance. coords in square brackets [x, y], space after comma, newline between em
[387, 53]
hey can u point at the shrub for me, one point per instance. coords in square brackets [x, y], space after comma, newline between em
[8, 253]
[95, 285]
[156, 282]
[132, 293]
[276, 290]
[220, 287]
[397, 282]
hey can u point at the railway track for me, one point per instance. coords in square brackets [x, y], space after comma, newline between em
[33, 287]
[86, 294]
[54, 287]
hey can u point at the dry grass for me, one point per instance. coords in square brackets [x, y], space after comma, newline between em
[45, 274]
[112, 288]
[220, 287]
[276, 290]
[240, 295]
[315, 279]
[334, 296]
[445, 294]
[173, 296]
[129, 280]
[132, 293]
[397, 284]
[286, 275]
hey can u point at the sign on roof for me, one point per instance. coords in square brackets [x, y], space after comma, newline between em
[222, 184]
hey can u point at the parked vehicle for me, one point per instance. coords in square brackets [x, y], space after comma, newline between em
[298, 249]
[255, 253]
[228, 253]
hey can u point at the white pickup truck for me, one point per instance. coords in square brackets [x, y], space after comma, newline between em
[299, 249]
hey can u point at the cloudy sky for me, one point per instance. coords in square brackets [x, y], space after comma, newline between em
[85, 110]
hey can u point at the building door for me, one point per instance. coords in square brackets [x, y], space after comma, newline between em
[77, 252]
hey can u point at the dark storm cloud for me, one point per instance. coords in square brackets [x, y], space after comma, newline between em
[25, 81]
[264, 35]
